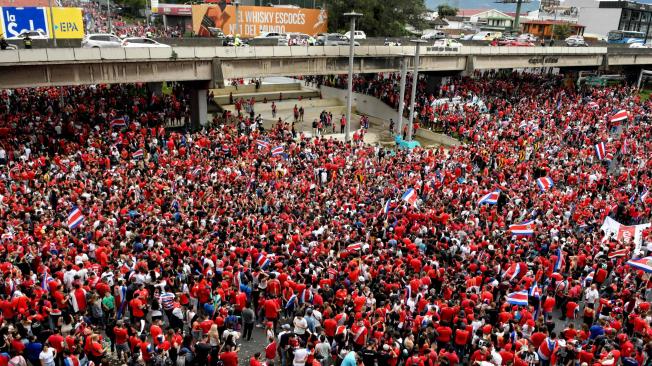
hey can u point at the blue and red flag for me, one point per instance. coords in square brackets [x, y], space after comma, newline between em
[518, 298]
[490, 198]
[75, 218]
[545, 183]
[410, 196]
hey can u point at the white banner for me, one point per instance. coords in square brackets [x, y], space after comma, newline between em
[622, 232]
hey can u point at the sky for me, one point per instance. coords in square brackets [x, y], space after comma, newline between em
[481, 4]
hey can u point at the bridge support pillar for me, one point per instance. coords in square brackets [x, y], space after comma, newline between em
[198, 91]
[470, 66]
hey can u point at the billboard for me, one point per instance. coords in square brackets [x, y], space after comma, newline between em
[254, 20]
[68, 22]
[18, 20]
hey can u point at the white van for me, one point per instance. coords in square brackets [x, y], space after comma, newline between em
[357, 35]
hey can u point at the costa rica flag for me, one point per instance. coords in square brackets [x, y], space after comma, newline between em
[600, 151]
[75, 218]
[410, 196]
[490, 198]
[523, 229]
[518, 298]
[620, 115]
[545, 183]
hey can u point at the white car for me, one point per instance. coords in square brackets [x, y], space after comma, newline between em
[281, 37]
[527, 37]
[358, 35]
[434, 35]
[447, 43]
[640, 45]
[34, 34]
[100, 40]
[142, 42]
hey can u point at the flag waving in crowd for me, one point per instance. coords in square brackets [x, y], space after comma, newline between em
[75, 218]
[410, 196]
[545, 183]
[490, 198]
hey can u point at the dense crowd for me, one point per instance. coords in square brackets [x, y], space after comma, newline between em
[128, 242]
[96, 20]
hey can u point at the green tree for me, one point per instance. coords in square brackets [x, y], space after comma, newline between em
[561, 31]
[445, 10]
[380, 18]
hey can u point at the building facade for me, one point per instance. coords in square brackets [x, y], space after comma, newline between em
[545, 29]
[601, 17]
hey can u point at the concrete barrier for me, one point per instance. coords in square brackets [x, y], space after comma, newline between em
[117, 53]
[9, 56]
[33, 55]
[137, 53]
[87, 54]
[60, 54]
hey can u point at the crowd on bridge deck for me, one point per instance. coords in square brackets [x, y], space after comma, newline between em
[96, 20]
[125, 242]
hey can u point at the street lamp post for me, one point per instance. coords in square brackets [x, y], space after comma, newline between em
[54, 34]
[353, 15]
[401, 99]
[108, 15]
[413, 91]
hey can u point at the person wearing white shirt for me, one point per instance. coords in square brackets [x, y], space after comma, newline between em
[300, 356]
[47, 355]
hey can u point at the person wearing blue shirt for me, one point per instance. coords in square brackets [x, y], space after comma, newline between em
[596, 330]
[33, 350]
[351, 359]
[209, 308]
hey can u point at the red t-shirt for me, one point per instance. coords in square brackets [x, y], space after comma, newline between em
[229, 358]
[56, 341]
[121, 335]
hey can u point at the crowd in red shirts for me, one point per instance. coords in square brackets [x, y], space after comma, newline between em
[126, 241]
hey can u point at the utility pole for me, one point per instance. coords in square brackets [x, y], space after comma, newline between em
[108, 15]
[347, 134]
[401, 100]
[413, 91]
[237, 17]
[54, 33]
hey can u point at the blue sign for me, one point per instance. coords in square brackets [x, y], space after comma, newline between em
[18, 20]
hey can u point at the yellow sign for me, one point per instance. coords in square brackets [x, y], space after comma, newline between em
[68, 22]
[254, 20]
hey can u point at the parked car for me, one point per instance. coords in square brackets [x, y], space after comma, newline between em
[527, 37]
[640, 45]
[576, 41]
[516, 43]
[434, 35]
[133, 42]
[100, 40]
[486, 36]
[216, 32]
[358, 35]
[447, 43]
[281, 37]
[345, 42]
[301, 39]
[334, 39]
[35, 34]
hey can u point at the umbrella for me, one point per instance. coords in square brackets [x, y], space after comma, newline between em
[644, 264]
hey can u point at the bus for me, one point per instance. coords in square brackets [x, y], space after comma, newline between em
[625, 37]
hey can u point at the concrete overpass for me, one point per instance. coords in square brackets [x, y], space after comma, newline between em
[69, 66]
[207, 67]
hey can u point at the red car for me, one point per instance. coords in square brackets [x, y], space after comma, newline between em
[515, 43]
